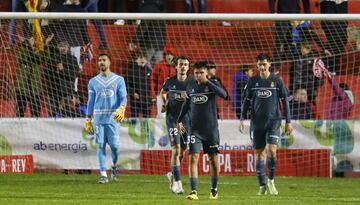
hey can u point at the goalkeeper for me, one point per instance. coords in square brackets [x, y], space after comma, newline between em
[106, 108]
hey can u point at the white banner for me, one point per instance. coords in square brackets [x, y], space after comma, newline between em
[62, 144]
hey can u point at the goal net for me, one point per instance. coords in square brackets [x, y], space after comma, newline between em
[47, 60]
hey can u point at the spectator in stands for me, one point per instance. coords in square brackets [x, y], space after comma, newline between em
[302, 71]
[92, 7]
[74, 31]
[283, 27]
[335, 31]
[342, 102]
[21, 6]
[202, 6]
[28, 78]
[211, 66]
[150, 37]
[72, 106]
[300, 107]
[302, 30]
[60, 74]
[138, 81]
[160, 73]
[240, 80]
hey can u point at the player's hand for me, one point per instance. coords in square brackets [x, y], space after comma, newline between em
[136, 96]
[184, 95]
[242, 126]
[119, 115]
[88, 126]
[288, 128]
[163, 108]
[181, 128]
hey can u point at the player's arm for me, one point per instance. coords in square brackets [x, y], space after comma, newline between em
[218, 89]
[163, 95]
[122, 94]
[184, 110]
[245, 106]
[90, 109]
[285, 100]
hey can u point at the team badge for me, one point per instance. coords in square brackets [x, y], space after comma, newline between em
[206, 89]
[256, 84]
[113, 85]
[272, 84]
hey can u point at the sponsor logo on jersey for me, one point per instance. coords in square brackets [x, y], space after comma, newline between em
[263, 93]
[199, 99]
[107, 93]
[178, 97]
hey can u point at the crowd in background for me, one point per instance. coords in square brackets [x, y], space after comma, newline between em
[65, 51]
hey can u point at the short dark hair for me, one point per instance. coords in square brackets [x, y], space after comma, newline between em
[244, 67]
[104, 54]
[176, 59]
[201, 64]
[210, 64]
[262, 57]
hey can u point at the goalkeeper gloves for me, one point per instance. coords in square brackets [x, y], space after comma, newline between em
[119, 114]
[88, 126]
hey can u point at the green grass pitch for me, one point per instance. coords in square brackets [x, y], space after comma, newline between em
[52, 189]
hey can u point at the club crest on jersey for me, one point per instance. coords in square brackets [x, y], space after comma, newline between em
[107, 93]
[272, 84]
[256, 84]
[178, 97]
[113, 85]
[174, 87]
[206, 89]
[263, 93]
[199, 99]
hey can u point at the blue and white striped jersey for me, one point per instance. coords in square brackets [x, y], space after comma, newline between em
[106, 95]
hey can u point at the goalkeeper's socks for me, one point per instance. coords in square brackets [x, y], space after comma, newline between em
[103, 173]
[214, 182]
[193, 183]
[260, 171]
[176, 172]
[271, 167]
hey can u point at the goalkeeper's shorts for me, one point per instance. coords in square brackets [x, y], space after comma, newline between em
[107, 134]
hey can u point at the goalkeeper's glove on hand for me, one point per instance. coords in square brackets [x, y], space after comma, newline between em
[88, 126]
[119, 114]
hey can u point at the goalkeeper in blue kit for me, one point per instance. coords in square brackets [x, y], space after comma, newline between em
[106, 108]
[263, 94]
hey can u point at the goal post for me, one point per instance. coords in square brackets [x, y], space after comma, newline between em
[43, 91]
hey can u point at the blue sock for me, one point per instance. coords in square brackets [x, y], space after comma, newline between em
[271, 167]
[193, 183]
[102, 157]
[176, 172]
[214, 182]
[260, 171]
